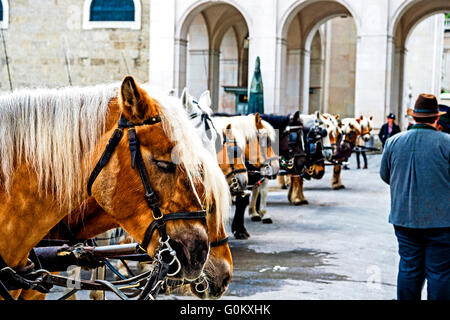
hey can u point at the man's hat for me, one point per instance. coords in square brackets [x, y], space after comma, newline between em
[391, 116]
[444, 120]
[426, 106]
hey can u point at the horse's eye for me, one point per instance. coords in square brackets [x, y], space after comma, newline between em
[165, 166]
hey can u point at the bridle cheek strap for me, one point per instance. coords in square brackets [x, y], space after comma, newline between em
[104, 159]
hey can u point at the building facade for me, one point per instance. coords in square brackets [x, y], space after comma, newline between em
[350, 57]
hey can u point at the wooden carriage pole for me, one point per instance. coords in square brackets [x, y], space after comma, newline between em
[67, 61]
[7, 61]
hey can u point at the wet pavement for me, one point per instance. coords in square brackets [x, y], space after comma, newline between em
[339, 246]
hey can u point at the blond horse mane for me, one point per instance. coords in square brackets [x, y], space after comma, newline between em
[246, 126]
[53, 130]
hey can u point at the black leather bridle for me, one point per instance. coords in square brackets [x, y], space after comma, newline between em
[295, 139]
[159, 220]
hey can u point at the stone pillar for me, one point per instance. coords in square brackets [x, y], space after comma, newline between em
[214, 76]
[263, 43]
[282, 98]
[161, 45]
[371, 62]
[180, 68]
[305, 66]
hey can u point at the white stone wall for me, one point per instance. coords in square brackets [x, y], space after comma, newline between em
[41, 33]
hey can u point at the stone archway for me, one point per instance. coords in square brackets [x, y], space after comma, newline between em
[303, 51]
[405, 20]
[219, 20]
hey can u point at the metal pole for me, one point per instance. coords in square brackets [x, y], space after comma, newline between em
[125, 61]
[7, 61]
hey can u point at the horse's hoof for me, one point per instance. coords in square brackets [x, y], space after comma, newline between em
[284, 187]
[247, 234]
[267, 221]
[255, 218]
[300, 202]
[339, 187]
[240, 235]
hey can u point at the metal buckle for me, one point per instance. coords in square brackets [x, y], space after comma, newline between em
[172, 252]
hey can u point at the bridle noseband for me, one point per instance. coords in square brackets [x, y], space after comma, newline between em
[159, 220]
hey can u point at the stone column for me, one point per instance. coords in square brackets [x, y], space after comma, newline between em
[161, 44]
[371, 61]
[305, 66]
[263, 43]
[214, 76]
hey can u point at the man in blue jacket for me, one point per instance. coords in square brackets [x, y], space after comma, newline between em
[416, 164]
[389, 129]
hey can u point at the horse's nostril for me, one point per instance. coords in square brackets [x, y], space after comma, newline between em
[226, 281]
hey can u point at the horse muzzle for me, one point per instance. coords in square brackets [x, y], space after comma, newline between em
[238, 183]
[192, 252]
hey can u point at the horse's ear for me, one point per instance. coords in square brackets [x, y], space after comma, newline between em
[371, 118]
[183, 97]
[361, 118]
[205, 99]
[227, 130]
[317, 115]
[358, 120]
[133, 106]
[336, 116]
[324, 116]
[258, 121]
[297, 116]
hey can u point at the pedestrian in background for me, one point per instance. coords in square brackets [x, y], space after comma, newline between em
[389, 129]
[444, 120]
[416, 165]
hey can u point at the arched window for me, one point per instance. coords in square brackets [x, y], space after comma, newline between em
[112, 14]
[4, 14]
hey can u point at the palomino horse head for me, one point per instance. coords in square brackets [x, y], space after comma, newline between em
[180, 180]
[351, 129]
[292, 145]
[332, 126]
[231, 160]
[366, 127]
[334, 130]
[259, 152]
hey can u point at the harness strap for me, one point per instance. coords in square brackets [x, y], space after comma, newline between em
[218, 242]
[104, 159]
[236, 171]
[173, 216]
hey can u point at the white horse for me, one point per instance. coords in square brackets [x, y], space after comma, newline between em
[200, 113]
